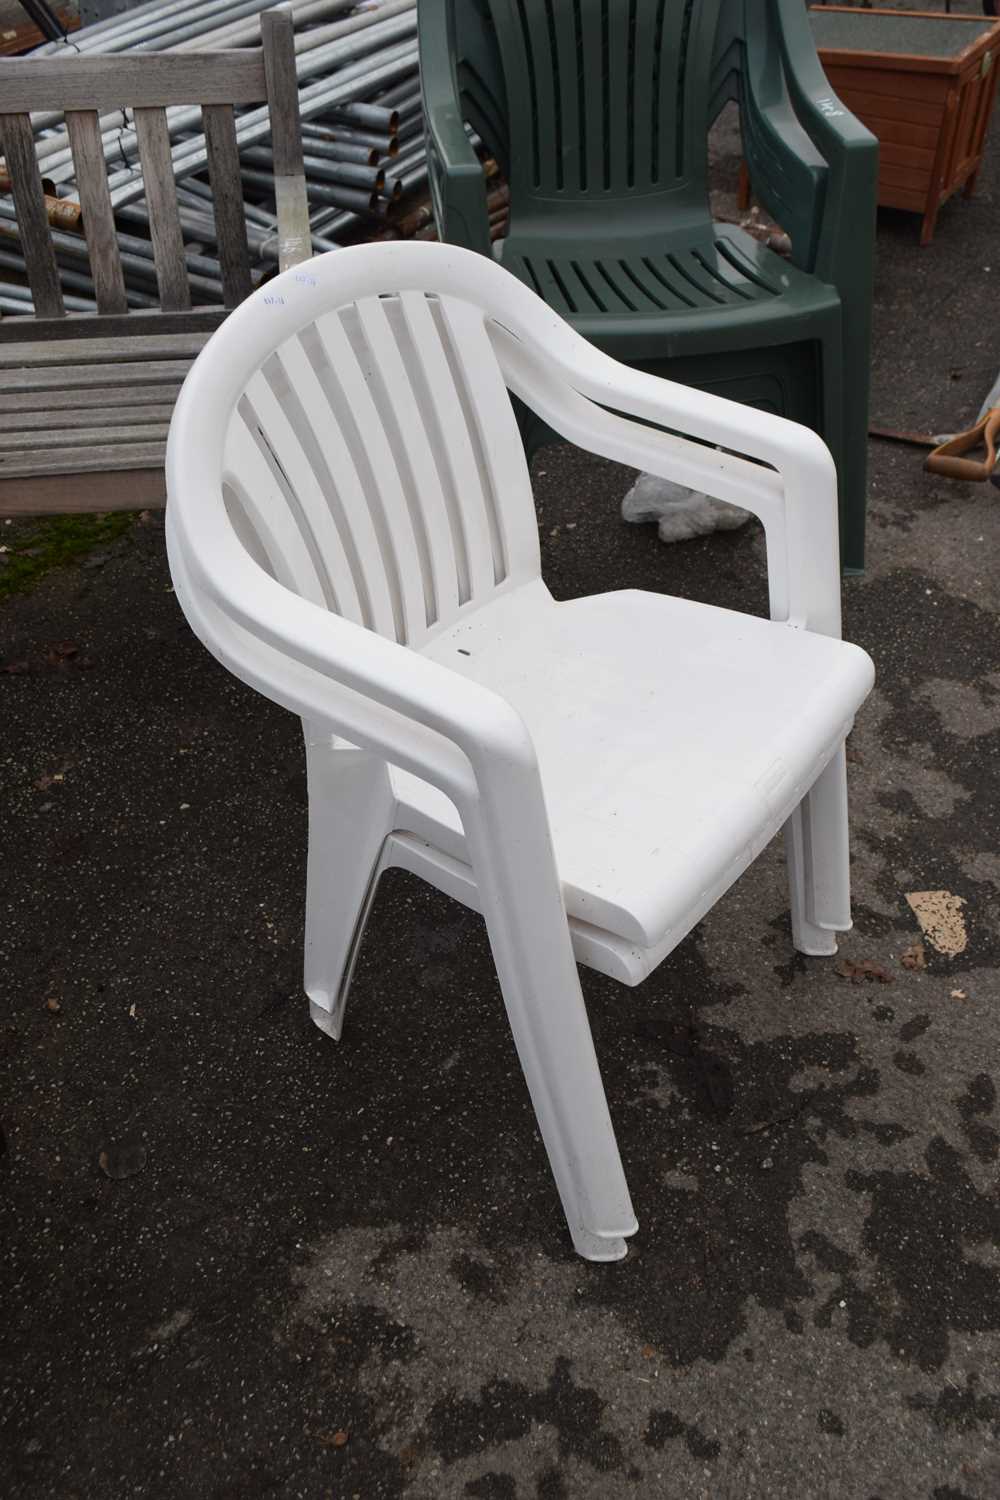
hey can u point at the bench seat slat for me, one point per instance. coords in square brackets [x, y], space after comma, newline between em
[100, 456]
[82, 418]
[38, 444]
[64, 351]
[143, 398]
[151, 373]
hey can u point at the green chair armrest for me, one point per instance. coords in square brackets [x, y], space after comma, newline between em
[830, 124]
[457, 180]
[848, 148]
[788, 173]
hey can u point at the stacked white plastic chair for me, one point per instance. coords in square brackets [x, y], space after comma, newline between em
[351, 531]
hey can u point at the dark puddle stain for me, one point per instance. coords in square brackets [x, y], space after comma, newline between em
[910, 1030]
[828, 1421]
[847, 1296]
[492, 1486]
[665, 1424]
[926, 641]
[979, 1098]
[478, 1279]
[960, 1410]
[916, 1232]
[507, 1411]
[743, 1123]
[909, 1062]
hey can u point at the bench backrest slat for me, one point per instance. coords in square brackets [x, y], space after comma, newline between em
[161, 201]
[227, 200]
[95, 202]
[29, 200]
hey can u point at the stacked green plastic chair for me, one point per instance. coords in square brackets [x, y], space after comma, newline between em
[598, 113]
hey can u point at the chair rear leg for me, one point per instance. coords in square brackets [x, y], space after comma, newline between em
[529, 936]
[818, 852]
[350, 816]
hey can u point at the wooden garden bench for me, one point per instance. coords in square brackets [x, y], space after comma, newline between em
[86, 398]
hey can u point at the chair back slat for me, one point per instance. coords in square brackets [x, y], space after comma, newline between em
[391, 449]
[95, 202]
[161, 200]
[33, 224]
[277, 34]
[227, 198]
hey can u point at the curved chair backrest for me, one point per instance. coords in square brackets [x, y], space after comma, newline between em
[364, 441]
[612, 96]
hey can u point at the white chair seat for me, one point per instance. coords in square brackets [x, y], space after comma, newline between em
[631, 701]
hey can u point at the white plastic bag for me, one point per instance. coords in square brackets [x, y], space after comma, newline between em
[681, 513]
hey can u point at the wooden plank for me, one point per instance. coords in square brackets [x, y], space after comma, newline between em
[134, 326]
[159, 396]
[164, 218]
[33, 223]
[899, 132]
[94, 351]
[95, 201]
[905, 177]
[291, 202]
[88, 458]
[100, 418]
[905, 156]
[929, 88]
[68, 377]
[227, 199]
[919, 112]
[76, 493]
[898, 197]
[107, 82]
[34, 445]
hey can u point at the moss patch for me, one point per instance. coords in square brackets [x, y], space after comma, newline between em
[53, 541]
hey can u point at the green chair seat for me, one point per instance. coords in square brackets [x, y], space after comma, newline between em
[673, 295]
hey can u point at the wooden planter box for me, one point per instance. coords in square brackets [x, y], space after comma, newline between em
[924, 84]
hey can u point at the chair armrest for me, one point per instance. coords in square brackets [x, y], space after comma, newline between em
[848, 148]
[780, 471]
[788, 173]
[830, 124]
[383, 697]
[458, 184]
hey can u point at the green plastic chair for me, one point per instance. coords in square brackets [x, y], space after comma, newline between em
[605, 149]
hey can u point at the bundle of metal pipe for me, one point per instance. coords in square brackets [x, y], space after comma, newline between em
[359, 97]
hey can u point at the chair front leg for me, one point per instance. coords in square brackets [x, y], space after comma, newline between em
[817, 849]
[350, 816]
[522, 903]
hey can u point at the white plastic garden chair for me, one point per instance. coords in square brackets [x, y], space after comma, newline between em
[351, 531]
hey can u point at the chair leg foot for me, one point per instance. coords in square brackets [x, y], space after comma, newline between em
[597, 1248]
[818, 854]
[327, 1021]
